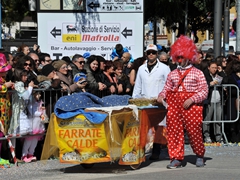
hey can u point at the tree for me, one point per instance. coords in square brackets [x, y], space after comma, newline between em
[15, 11]
[168, 10]
[199, 12]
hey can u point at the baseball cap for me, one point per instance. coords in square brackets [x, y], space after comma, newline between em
[151, 47]
[78, 76]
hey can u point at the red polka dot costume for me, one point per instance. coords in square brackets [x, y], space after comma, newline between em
[184, 83]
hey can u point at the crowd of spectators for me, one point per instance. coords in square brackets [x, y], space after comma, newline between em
[221, 102]
[103, 77]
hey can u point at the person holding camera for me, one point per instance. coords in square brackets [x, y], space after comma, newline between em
[66, 82]
[36, 62]
[27, 63]
[81, 80]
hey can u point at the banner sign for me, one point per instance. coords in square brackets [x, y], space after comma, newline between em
[66, 28]
[66, 34]
[80, 141]
[114, 6]
[132, 151]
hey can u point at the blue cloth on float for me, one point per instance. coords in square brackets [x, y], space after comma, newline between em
[72, 105]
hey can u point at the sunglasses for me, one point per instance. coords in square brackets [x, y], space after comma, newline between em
[48, 61]
[26, 64]
[180, 57]
[64, 67]
[151, 52]
[81, 62]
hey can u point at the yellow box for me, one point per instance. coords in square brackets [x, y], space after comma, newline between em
[71, 37]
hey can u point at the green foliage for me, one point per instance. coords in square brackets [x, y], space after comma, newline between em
[14, 11]
[199, 12]
[164, 9]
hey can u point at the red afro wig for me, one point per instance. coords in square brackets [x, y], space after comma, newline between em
[184, 47]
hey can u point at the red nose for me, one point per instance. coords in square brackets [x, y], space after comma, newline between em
[180, 58]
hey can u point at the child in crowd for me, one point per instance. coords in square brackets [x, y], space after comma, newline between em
[4, 101]
[35, 111]
[20, 123]
[118, 52]
[81, 80]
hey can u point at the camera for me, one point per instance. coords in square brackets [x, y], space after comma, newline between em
[81, 82]
[37, 48]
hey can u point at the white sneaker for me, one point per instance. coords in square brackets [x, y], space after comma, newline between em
[207, 140]
[221, 141]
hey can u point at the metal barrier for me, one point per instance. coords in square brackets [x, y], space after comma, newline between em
[49, 98]
[55, 94]
[225, 88]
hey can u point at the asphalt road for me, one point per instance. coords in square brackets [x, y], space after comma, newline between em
[222, 163]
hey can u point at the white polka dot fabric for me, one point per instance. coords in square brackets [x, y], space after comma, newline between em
[179, 119]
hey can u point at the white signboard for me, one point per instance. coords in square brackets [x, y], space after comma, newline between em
[114, 5]
[66, 34]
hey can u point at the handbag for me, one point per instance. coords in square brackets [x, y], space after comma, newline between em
[44, 117]
[238, 103]
[237, 99]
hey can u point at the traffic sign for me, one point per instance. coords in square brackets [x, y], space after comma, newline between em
[93, 5]
[114, 6]
[56, 32]
[127, 32]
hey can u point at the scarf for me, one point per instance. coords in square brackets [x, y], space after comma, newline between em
[111, 79]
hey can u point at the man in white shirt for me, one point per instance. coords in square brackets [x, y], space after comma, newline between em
[150, 80]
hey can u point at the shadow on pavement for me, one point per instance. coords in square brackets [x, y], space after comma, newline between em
[192, 159]
[114, 168]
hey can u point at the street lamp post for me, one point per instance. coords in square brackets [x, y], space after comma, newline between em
[226, 26]
[217, 28]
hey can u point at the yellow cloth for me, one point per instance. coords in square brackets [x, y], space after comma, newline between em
[123, 137]
[50, 147]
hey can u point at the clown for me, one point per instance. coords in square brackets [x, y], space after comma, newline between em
[184, 92]
[4, 101]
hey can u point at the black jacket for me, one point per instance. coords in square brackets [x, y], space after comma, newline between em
[209, 79]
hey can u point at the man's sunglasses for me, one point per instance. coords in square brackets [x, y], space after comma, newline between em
[151, 52]
[180, 57]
